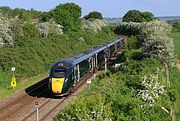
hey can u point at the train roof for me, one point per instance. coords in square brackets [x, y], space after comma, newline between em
[77, 58]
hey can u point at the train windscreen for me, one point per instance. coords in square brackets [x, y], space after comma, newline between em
[58, 74]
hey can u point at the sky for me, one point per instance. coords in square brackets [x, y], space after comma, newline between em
[108, 8]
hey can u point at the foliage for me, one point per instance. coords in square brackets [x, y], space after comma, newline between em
[176, 25]
[157, 42]
[5, 32]
[93, 24]
[94, 15]
[154, 42]
[67, 15]
[152, 89]
[153, 38]
[33, 55]
[137, 16]
[176, 37]
[112, 98]
[29, 30]
[128, 28]
[49, 27]
[175, 89]
[22, 14]
[139, 89]
[15, 26]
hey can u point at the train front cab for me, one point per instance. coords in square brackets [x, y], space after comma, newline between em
[57, 80]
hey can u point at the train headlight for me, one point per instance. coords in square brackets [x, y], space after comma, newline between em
[50, 80]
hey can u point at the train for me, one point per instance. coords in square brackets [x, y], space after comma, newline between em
[69, 72]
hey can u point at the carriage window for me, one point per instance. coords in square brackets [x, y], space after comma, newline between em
[58, 74]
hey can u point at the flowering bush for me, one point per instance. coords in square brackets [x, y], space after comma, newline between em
[93, 24]
[5, 32]
[156, 41]
[153, 37]
[152, 89]
[48, 27]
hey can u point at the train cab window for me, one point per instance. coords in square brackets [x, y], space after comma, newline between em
[58, 74]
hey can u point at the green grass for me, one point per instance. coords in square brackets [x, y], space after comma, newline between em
[33, 57]
[176, 37]
[175, 79]
[175, 74]
[178, 118]
[7, 90]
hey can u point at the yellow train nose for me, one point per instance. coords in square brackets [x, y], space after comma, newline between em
[57, 84]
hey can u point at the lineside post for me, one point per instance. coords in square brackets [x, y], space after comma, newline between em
[105, 64]
[37, 110]
[78, 72]
[96, 61]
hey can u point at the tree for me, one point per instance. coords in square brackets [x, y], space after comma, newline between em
[176, 25]
[94, 14]
[132, 16]
[67, 15]
[137, 16]
[147, 16]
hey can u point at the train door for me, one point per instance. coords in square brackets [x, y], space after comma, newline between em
[76, 74]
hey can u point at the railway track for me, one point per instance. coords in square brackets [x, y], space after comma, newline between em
[56, 105]
[77, 89]
[17, 104]
[22, 109]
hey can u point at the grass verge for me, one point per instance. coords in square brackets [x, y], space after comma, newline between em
[176, 37]
[175, 74]
[7, 90]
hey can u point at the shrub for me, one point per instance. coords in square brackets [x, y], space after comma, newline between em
[5, 32]
[95, 24]
[29, 30]
[49, 27]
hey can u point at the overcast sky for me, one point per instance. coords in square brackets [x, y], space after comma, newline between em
[109, 8]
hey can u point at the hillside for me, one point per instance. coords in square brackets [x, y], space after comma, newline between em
[32, 44]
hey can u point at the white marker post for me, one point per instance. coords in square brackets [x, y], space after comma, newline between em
[13, 70]
[37, 110]
[89, 82]
[13, 81]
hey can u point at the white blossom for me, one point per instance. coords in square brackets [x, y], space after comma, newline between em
[94, 24]
[152, 89]
[5, 32]
[47, 27]
[156, 41]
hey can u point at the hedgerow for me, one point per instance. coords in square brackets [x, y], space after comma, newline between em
[137, 90]
[123, 96]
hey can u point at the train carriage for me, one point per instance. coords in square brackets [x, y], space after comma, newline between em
[66, 73]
